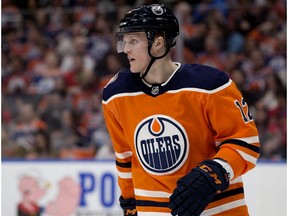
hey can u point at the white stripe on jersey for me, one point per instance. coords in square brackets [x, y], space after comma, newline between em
[125, 175]
[227, 167]
[123, 155]
[139, 213]
[149, 193]
[122, 95]
[249, 140]
[236, 180]
[203, 90]
[223, 208]
[247, 157]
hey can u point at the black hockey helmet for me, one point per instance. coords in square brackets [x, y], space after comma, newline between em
[151, 19]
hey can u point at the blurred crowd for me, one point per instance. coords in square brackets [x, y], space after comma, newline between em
[57, 55]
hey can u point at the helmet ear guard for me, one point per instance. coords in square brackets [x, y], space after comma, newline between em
[150, 36]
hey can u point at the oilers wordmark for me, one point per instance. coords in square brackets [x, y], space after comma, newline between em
[161, 144]
[167, 147]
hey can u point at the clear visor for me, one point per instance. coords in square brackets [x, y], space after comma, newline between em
[131, 41]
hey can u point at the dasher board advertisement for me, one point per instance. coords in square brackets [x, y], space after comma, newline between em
[90, 188]
[66, 188]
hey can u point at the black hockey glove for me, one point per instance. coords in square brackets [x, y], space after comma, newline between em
[197, 189]
[128, 206]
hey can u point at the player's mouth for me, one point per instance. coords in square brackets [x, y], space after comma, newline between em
[131, 60]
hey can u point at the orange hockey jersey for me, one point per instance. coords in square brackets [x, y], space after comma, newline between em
[160, 132]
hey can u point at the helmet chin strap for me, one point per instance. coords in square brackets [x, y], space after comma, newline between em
[153, 59]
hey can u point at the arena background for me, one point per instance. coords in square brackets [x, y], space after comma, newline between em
[57, 55]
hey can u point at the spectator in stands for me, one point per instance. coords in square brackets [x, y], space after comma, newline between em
[212, 54]
[110, 65]
[239, 77]
[81, 48]
[11, 16]
[272, 137]
[83, 102]
[28, 135]
[17, 80]
[46, 73]
[65, 138]
[52, 114]
[73, 77]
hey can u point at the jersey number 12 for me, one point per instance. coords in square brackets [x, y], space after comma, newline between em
[246, 116]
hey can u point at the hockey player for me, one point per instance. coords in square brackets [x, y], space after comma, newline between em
[182, 133]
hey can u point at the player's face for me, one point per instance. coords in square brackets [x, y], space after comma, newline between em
[135, 45]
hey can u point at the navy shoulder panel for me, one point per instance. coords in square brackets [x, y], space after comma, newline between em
[122, 82]
[200, 76]
[188, 76]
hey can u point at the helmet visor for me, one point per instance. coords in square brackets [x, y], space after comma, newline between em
[131, 41]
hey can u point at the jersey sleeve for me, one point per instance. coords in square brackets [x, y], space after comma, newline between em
[123, 153]
[234, 130]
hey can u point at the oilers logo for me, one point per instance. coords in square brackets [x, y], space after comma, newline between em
[161, 144]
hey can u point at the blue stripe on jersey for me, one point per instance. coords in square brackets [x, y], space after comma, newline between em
[123, 165]
[188, 76]
[228, 193]
[243, 144]
[151, 203]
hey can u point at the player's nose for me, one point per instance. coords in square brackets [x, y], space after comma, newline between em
[127, 48]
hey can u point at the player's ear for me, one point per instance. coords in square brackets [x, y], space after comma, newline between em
[158, 46]
[159, 42]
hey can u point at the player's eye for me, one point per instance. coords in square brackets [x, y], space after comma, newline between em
[132, 42]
